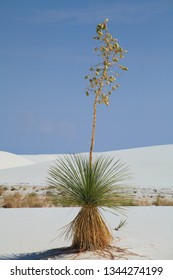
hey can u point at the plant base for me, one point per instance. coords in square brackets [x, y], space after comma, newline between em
[89, 231]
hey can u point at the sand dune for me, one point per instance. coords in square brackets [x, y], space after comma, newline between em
[9, 160]
[150, 166]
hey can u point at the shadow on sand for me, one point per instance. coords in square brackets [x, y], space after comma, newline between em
[44, 255]
[68, 253]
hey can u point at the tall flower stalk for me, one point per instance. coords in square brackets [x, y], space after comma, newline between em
[103, 77]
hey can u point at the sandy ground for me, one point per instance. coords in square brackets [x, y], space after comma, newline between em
[35, 234]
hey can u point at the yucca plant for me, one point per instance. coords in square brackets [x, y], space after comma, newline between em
[82, 181]
[77, 183]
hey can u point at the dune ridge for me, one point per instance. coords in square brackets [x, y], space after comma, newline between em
[150, 166]
[10, 160]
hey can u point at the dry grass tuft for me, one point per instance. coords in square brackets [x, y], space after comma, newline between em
[157, 201]
[19, 201]
[2, 190]
[162, 201]
[141, 202]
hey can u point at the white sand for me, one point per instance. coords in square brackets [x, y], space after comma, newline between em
[9, 160]
[149, 231]
[150, 166]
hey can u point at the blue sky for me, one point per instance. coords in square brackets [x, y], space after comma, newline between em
[46, 49]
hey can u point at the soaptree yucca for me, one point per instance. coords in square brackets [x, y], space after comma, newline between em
[77, 183]
[90, 183]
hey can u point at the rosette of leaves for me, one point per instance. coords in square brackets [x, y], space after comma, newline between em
[92, 188]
